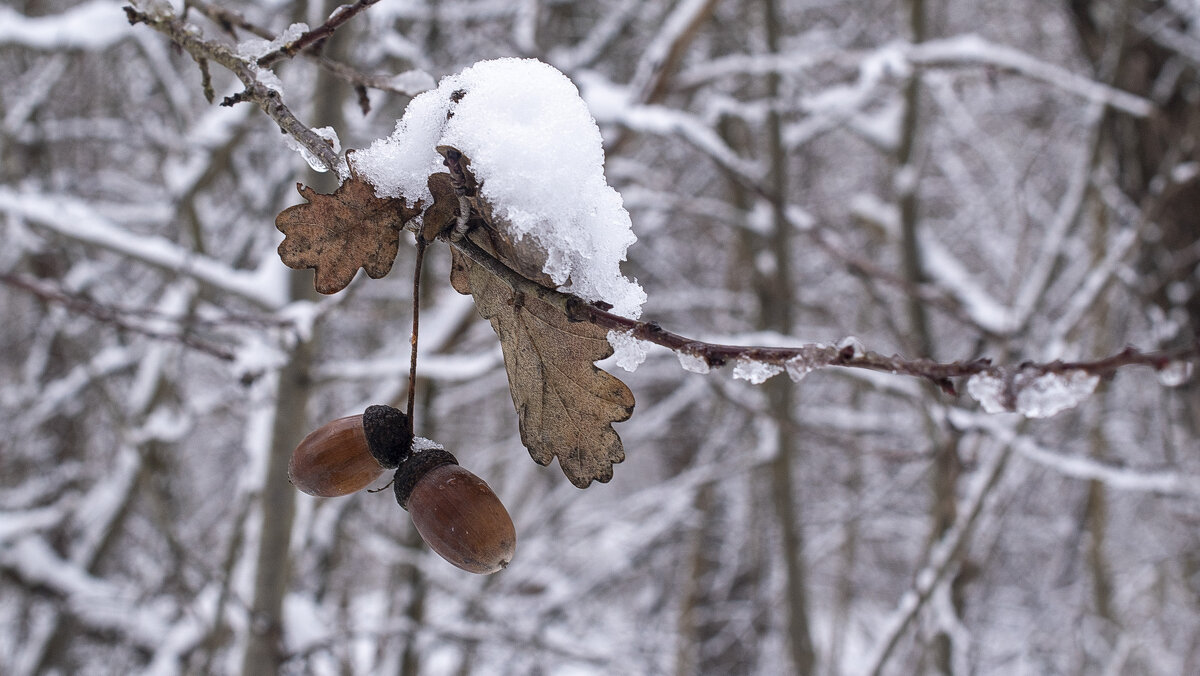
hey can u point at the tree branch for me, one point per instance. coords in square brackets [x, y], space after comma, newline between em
[117, 317]
[269, 100]
[814, 355]
[340, 16]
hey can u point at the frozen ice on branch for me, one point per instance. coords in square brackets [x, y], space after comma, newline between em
[538, 156]
[1033, 394]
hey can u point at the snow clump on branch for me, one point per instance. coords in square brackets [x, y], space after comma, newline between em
[538, 155]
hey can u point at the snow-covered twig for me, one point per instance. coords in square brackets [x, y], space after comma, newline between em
[956, 51]
[408, 83]
[96, 604]
[256, 91]
[311, 37]
[662, 55]
[972, 49]
[942, 556]
[1079, 467]
[77, 220]
[93, 25]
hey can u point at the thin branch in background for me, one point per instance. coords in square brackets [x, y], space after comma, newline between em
[111, 315]
[409, 83]
[313, 37]
[229, 20]
[942, 557]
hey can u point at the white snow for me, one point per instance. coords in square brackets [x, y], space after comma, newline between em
[988, 390]
[92, 25]
[256, 48]
[1034, 395]
[757, 372]
[422, 444]
[1175, 374]
[853, 344]
[412, 82]
[799, 366]
[1185, 172]
[690, 361]
[1043, 396]
[537, 152]
[257, 354]
[628, 352]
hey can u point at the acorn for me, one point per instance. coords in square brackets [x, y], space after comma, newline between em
[455, 512]
[346, 455]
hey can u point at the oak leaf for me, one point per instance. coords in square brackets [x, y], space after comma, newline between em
[565, 404]
[337, 234]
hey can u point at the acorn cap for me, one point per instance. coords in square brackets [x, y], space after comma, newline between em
[415, 468]
[388, 437]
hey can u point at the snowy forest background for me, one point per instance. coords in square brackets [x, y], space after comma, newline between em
[1017, 180]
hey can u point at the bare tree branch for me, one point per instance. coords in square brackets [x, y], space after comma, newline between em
[106, 314]
[269, 100]
[815, 355]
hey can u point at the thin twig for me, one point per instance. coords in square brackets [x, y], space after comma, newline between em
[111, 315]
[812, 355]
[943, 556]
[416, 323]
[230, 20]
[269, 100]
[340, 16]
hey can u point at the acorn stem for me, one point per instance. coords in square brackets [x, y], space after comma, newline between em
[416, 324]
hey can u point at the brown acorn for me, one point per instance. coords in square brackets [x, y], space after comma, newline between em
[455, 512]
[346, 455]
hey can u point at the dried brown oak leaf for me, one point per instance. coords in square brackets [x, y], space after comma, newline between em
[339, 233]
[565, 405]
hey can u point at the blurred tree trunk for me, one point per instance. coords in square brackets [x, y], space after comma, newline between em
[1134, 46]
[264, 647]
[776, 296]
[946, 464]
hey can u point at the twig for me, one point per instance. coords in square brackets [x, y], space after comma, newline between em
[266, 98]
[813, 355]
[416, 323]
[340, 16]
[945, 553]
[230, 20]
[111, 315]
